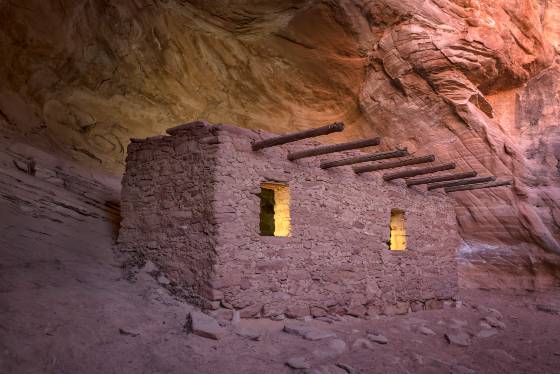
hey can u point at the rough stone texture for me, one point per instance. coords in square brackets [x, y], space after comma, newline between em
[202, 325]
[459, 338]
[307, 332]
[476, 81]
[167, 199]
[298, 363]
[190, 205]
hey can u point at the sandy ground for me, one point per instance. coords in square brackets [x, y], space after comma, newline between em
[67, 305]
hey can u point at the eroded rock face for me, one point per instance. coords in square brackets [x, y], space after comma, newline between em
[476, 82]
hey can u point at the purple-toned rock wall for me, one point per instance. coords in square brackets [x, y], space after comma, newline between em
[190, 204]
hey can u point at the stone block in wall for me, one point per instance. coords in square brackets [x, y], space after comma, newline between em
[273, 309]
[434, 304]
[357, 310]
[399, 308]
[251, 311]
[416, 306]
[316, 311]
[297, 311]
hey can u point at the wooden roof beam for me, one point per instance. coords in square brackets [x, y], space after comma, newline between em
[478, 186]
[323, 150]
[441, 178]
[421, 171]
[299, 135]
[392, 165]
[461, 182]
[370, 157]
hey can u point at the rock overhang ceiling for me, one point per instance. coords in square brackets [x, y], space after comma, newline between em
[476, 82]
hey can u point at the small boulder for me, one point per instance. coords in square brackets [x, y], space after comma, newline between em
[500, 355]
[361, 343]
[338, 345]
[149, 267]
[494, 322]
[496, 313]
[334, 348]
[459, 338]
[298, 363]
[486, 333]
[222, 315]
[249, 333]
[162, 279]
[377, 338]
[326, 369]
[485, 325]
[347, 368]
[458, 323]
[426, 331]
[203, 325]
[460, 369]
[307, 332]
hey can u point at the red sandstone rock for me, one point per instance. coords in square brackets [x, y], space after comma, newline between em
[475, 82]
[201, 324]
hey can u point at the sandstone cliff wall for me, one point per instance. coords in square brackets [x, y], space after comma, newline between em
[473, 80]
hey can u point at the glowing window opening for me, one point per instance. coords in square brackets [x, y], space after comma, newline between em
[275, 210]
[397, 240]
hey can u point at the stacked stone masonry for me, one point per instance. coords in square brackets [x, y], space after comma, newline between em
[190, 203]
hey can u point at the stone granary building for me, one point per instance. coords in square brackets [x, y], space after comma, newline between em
[255, 232]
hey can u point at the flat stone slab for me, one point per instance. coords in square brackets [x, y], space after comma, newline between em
[486, 333]
[298, 363]
[333, 349]
[362, 343]
[326, 369]
[378, 338]
[494, 322]
[249, 333]
[426, 331]
[203, 325]
[459, 338]
[307, 332]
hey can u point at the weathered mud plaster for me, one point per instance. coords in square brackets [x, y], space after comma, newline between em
[190, 204]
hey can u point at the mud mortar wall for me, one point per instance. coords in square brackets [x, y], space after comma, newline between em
[167, 193]
[196, 212]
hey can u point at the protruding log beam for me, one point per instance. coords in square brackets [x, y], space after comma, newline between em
[442, 178]
[333, 148]
[370, 157]
[461, 182]
[299, 135]
[392, 165]
[478, 186]
[415, 172]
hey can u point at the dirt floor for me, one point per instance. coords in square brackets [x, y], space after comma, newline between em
[68, 306]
